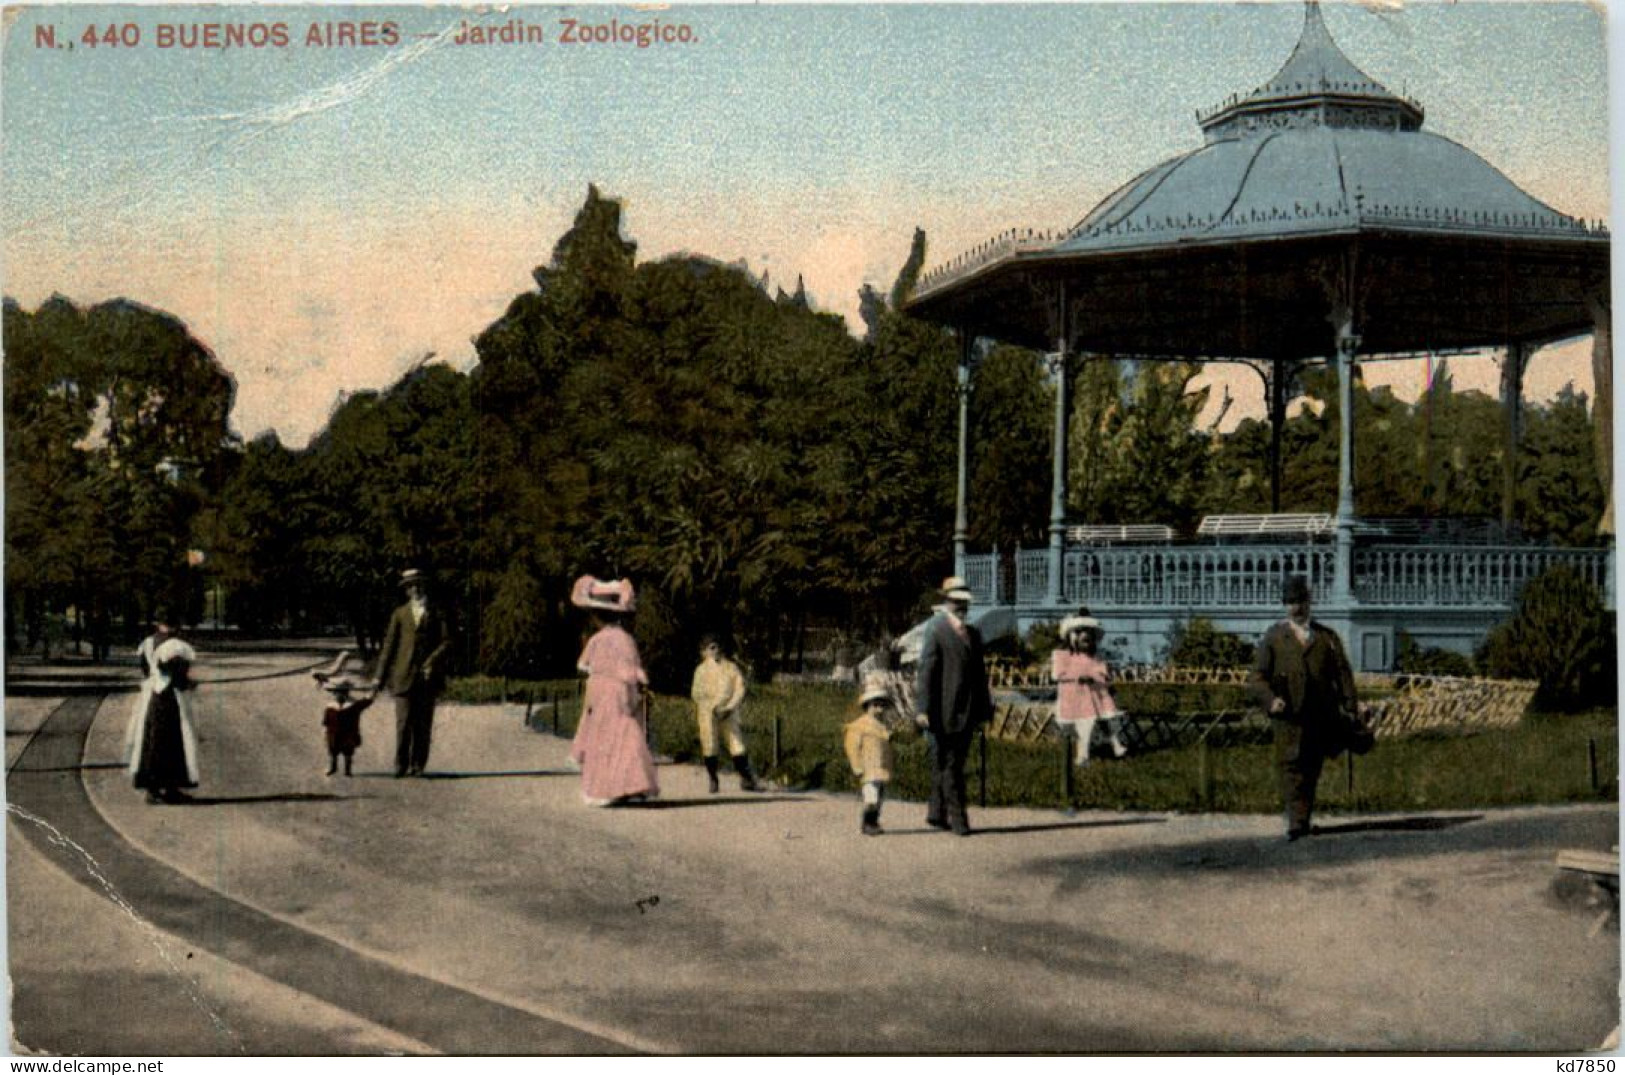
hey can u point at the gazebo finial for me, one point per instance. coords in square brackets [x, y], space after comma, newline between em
[1317, 86]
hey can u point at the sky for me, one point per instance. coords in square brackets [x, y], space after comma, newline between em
[324, 215]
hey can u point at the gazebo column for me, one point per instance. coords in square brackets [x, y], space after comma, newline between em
[1055, 591]
[967, 348]
[1057, 509]
[1343, 564]
[1512, 371]
[1277, 409]
[1602, 399]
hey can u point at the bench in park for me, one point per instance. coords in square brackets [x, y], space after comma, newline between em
[1600, 866]
[1302, 525]
[1126, 534]
[1602, 869]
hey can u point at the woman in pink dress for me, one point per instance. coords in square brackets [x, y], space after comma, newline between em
[1083, 693]
[611, 745]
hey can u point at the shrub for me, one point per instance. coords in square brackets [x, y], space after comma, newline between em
[1561, 635]
[511, 635]
[1199, 644]
[1041, 642]
[483, 690]
[1429, 660]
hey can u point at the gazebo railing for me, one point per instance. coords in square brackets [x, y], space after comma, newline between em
[1032, 576]
[1176, 577]
[1463, 576]
[1128, 577]
[981, 574]
[1249, 576]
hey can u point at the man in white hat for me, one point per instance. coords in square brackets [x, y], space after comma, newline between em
[412, 665]
[952, 697]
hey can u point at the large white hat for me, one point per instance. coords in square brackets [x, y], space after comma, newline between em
[617, 596]
[1073, 624]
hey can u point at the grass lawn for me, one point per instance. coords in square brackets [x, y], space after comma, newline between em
[1545, 759]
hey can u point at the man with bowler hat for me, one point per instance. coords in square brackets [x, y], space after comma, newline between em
[952, 698]
[411, 665]
[1303, 679]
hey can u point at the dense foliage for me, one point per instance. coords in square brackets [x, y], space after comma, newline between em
[1429, 660]
[115, 430]
[1198, 643]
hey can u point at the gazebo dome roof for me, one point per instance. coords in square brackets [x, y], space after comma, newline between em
[1320, 171]
[1321, 147]
[1313, 180]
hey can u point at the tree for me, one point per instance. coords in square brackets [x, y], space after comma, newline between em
[391, 482]
[1137, 454]
[1559, 493]
[1010, 435]
[116, 432]
[743, 458]
[263, 521]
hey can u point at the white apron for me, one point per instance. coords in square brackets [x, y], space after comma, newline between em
[156, 682]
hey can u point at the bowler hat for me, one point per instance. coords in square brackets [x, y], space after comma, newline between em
[1295, 591]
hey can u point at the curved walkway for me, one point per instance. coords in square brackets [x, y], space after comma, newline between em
[47, 795]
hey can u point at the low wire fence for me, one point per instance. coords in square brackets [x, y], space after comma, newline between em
[1196, 742]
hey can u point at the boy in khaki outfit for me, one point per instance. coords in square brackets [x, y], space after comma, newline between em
[718, 691]
[868, 749]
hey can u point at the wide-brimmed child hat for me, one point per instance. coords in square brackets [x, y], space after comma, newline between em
[336, 677]
[617, 596]
[874, 690]
[1072, 624]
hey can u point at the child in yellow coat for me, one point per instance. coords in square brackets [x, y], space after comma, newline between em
[868, 749]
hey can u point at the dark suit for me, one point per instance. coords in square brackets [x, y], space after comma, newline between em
[412, 664]
[951, 689]
[1317, 684]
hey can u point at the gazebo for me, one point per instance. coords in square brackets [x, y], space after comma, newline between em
[1317, 222]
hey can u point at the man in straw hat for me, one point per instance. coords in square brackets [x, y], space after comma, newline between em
[412, 665]
[1303, 679]
[952, 698]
